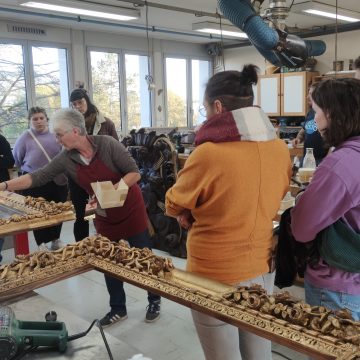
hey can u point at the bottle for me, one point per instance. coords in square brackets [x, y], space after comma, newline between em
[309, 159]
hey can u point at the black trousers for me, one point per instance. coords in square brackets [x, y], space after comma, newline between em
[79, 198]
[49, 192]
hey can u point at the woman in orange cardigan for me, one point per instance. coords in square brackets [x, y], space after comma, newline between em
[227, 195]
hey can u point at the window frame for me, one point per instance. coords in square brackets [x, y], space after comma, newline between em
[29, 73]
[122, 81]
[189, 94]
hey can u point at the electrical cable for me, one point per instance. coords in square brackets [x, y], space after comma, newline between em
[84, 333]
[148, 77]
[336, 36]
[222, 41]
[291, 4]
[24, 352]
[280, 354]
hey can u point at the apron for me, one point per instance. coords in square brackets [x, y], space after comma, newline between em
[120, 222]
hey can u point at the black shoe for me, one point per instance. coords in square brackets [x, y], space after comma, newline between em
[112, 318]
[152, 311]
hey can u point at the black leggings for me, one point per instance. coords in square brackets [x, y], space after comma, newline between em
[79, 198]
[49, 192]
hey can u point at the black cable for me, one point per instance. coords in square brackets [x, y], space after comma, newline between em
[84, 333]
[149, 78]
[282, 355]
[291, 4]
[222, 40]
[24, 352]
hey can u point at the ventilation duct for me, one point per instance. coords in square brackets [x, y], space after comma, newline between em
[273, 42]
[25, 29]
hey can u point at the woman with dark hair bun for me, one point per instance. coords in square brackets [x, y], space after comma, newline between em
[96, 124]
[329, 209]
[227, 196]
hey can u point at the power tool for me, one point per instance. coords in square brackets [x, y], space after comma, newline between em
[16, 335]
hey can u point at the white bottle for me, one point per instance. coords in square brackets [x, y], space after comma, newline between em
[309, 159]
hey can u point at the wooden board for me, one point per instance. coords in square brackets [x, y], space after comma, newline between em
[14, 203]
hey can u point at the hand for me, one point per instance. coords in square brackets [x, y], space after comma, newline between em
[92, 202]
[185, 219]
[295, 142]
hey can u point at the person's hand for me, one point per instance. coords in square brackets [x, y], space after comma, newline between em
[185, 219]
[92, 202]
[295, 142]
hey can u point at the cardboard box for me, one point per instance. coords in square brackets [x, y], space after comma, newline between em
[108, 196]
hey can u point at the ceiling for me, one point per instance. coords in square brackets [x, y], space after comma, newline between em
[164, 23]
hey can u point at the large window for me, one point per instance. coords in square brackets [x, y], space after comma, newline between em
[185, 85]
[13, 101]
[30, 76]
[138, 100]
[105, 84]
[51, 78]
[112, 76]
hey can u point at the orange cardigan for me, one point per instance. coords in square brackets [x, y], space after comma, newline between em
[233, 190]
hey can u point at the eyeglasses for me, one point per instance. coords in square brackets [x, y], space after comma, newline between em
[60, 136]
[202, 111]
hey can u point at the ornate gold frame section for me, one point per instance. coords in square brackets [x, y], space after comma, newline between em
[142, 268]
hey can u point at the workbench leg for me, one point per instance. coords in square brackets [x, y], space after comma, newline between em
[21, 244]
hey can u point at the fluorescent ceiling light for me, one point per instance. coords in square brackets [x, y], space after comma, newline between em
[214, 28]
[324, 10]
[91, 10]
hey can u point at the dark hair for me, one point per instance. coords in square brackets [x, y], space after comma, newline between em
[339, 99]
[36, 110]
[81, 93]
[233, 88]
[357, 63]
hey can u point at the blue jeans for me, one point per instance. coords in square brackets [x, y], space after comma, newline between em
[1, 245]
[332, 299]
[116, 287]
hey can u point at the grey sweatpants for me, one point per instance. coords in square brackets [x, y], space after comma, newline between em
[221, 341]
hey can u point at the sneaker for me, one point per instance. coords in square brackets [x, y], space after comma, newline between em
[112, 318]
[56, 244]
[152, 311]
[43, 247]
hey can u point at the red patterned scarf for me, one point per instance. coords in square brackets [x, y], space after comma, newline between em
[245, 124]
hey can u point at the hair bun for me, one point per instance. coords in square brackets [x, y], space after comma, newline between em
[249, 74]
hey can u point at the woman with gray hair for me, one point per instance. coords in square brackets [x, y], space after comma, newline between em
[87, 159]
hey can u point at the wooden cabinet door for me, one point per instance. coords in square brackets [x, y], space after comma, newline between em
[293, 94]
[268, 94]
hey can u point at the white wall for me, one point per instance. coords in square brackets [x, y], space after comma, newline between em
[347, 44]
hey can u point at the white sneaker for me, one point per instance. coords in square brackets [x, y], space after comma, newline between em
[56, 244]
[43, 247]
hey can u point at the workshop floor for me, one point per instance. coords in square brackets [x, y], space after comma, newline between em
[81, 299]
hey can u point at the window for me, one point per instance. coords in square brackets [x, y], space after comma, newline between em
[115, 73]
[51, 79]
[185, 86]
[30, 76]
[176, 92]
[13, 101]
[138, 100]
[199, 78]
[105, 83]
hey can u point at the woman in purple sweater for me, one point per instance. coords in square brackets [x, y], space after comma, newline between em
[29, 156]
[333, 194]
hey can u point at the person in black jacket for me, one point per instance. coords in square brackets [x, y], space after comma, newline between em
[6, 161]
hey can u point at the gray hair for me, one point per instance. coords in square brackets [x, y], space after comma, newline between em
[68, 119]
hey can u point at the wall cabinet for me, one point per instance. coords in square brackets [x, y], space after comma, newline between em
[284, 94]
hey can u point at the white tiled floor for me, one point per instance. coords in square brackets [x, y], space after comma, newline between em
[83, 298]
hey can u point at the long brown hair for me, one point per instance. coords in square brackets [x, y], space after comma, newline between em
[339, 99]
